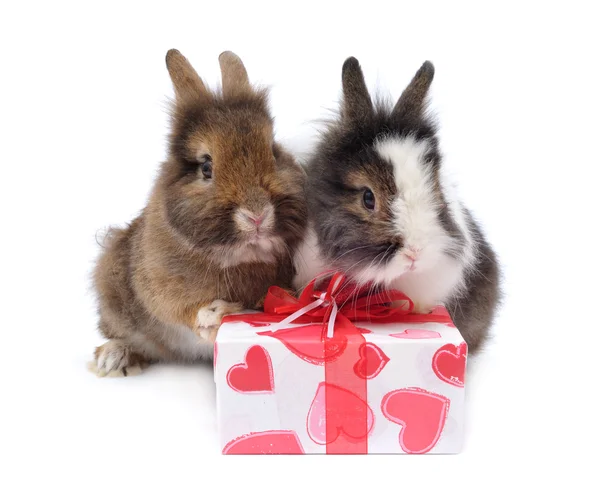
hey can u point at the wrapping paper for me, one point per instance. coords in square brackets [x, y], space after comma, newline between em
[347, 376]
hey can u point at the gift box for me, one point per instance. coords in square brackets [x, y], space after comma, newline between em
[340, 371]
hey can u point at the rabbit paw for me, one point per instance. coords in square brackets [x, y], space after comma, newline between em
[115, 359]
[209, 334]
[422, 308]
[209, 317]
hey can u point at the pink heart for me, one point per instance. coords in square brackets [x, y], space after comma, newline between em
[417, 334]
[421, 414]
[266, 442]
[307, 343]
[372, 361]
[450, 362]
[344, 413]
[254, 375]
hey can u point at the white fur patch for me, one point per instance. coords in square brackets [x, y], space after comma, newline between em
[421, 269]
[414, 209]
[457, 211]
[308, 260]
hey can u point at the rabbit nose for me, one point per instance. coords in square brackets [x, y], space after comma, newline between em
[252, 217]
[412, 253]
[257, 219]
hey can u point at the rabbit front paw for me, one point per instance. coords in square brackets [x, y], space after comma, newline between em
[422, 308]
[209, 318]
[209, 334]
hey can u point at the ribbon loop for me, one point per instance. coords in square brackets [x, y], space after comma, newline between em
[340, 298]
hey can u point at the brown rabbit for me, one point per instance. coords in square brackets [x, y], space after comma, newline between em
[220, 227]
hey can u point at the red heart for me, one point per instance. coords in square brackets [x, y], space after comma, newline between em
[422, 415]
[372, 361]
[307, 343]
[335, 410]
[449, 363]
[266, 442]
[254, 375]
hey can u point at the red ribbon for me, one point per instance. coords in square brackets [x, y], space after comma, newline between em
[350, 302]
[354, 302]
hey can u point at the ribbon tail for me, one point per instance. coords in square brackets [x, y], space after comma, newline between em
[332, 318]
[339, 376]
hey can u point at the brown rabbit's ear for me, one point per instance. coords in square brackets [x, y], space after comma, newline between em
[187, 84]
[357, 102]
[412, 101]
[234, 75]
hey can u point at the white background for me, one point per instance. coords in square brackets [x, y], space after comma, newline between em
[83, 127]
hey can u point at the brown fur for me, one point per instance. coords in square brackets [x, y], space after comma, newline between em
[381, 182]
[182, 252]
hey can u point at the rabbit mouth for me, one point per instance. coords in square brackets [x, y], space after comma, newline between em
[261, 243]
[259, 238]
[258, 248]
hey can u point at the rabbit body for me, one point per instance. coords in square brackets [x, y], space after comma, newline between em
[382, 209]
[220, 227]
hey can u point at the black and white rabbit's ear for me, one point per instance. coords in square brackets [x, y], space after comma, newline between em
[187, 84]
[357, 103]
[233, 75]
[413, 100]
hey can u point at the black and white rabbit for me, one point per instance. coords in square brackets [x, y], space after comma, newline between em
[381, 210]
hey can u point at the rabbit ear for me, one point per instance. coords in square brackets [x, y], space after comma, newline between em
[233, 74]
[186, 82]
[357, 102]
[412, 101]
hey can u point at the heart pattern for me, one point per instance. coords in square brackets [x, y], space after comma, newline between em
[338, 418]
[421, 414]
[265, 442]
[306, 342]
[417, 334]
[343, 413]
[254, 375]
[372, 361]
[450, 362]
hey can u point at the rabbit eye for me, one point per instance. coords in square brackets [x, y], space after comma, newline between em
[369, 199]
[206, 167]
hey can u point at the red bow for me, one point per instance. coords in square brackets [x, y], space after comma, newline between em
[356, 303]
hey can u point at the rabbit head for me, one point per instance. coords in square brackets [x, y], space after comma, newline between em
[228, 188]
